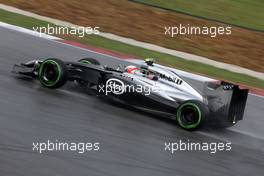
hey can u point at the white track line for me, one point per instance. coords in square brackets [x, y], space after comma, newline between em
[27, 31]
[259, 96]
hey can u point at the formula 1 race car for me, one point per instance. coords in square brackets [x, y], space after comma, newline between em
[147, 87]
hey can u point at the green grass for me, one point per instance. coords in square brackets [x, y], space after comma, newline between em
[244, 13]
[163, 59]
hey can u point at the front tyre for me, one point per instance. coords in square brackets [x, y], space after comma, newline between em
[190, 114]
[52, 73]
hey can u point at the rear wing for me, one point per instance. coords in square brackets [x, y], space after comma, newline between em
[226, 102]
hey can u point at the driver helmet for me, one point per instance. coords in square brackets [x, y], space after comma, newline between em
[131, 69]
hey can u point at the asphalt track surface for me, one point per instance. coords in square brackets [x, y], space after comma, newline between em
[131, 142]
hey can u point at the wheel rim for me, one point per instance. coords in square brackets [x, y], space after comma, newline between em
[49, 73]
[189, 116]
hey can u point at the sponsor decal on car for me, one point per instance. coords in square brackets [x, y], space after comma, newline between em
[168, 78]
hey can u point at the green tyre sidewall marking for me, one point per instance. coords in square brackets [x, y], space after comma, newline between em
[41, 70]
[186, 126]
[85, 62]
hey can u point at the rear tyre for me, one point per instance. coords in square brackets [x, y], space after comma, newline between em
[89, 61]
[190, 115]
[52, 73]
